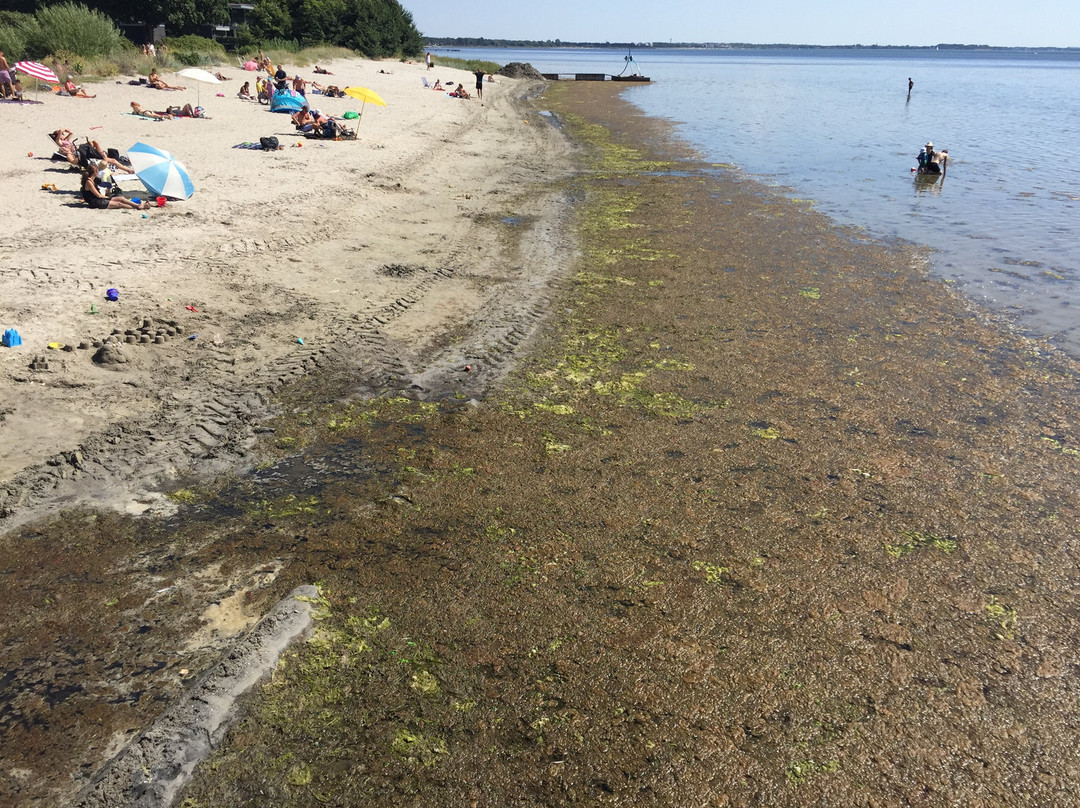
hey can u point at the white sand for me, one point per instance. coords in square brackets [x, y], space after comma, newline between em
[272, 248]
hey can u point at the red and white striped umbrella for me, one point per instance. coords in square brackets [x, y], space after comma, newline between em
[37, 70]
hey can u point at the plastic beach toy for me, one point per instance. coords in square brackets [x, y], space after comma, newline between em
[160, 201]
[112, 295]
[11, 338]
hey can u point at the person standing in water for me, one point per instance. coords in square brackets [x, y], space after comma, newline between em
[910, 84]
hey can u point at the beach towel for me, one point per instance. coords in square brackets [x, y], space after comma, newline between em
[248, 145]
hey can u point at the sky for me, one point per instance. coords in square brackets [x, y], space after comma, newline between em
[1032, 23]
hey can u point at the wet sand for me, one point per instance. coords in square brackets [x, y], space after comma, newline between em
[764, 515]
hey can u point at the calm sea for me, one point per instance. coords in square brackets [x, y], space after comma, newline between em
[839, 128]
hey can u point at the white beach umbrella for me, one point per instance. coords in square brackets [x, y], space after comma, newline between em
[160, 172]
[201, 76]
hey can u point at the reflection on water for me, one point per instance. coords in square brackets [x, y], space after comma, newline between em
[840, 127]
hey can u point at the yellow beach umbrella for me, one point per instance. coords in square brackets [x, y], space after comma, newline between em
[366, 96]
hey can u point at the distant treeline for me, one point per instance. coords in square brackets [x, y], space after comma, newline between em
[372, 27]
[482, 42]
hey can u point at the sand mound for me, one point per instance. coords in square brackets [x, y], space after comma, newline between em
[519, 70]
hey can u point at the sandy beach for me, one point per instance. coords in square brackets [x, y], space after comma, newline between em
[366, 253]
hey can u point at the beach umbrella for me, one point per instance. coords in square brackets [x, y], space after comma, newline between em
[160, 172]
[366, 96]
[201, 76]
[38, 71]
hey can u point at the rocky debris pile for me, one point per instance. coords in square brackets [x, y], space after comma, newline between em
[520, 70]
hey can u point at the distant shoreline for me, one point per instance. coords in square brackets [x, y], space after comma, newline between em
[460, 42]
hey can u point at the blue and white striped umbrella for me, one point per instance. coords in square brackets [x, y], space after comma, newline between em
[160, 172]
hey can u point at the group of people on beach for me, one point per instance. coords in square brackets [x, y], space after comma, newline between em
[461, 92]
[97, 165]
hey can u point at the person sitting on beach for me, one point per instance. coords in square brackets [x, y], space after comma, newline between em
[76, 91]
[245, 92]
[303, 120]
[16, 88]
[96, 198]
[155, 81]
[322, 72]
[137, 109]
[460, 92]
[437, 85]
[82, 155]
[63, 138]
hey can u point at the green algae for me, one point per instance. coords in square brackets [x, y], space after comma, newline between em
[915, 540]
[1004, 617]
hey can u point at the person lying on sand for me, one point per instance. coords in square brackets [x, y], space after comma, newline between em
[95, 198]
[220, 77]
[156, 82]
[186, 111]
[322, 72]
[76, 91]
[137, 109]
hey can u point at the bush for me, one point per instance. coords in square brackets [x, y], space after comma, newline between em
[282, 45]
[245, 39]
[15, 31]
[133, 63]
[472, 65]
[76, 29]
[194, 50]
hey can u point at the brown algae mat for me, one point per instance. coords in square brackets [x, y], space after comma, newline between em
[768, 516]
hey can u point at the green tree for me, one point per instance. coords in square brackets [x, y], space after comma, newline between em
[177, 15]
[318, 21]
[380, 28]
[271, 19]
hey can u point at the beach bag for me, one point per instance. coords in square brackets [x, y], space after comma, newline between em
[269, 143]
[88, 154]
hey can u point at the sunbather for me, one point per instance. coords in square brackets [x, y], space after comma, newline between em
[75, 90]
[437, 85]
[460, 92]
[186, 111]
[157, 83]
[303, 120]
[245, 92]
[137, 109]
[322, 72]
[96, 198]
[82, 155]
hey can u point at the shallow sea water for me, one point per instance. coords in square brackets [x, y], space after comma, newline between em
[837, 127]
